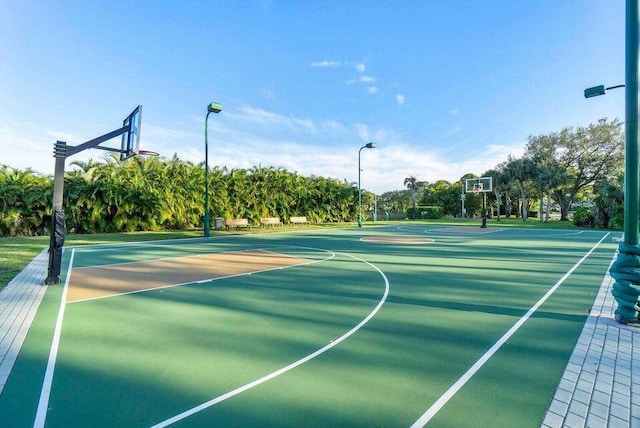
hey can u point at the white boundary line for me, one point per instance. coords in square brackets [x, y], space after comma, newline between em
[43, 404]
[442, 401]
[291, 366]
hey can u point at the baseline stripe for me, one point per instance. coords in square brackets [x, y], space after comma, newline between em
[43, 404]
[448, 395]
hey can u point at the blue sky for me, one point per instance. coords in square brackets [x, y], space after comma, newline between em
[444, 87]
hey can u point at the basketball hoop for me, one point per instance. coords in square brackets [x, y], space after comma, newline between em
[476, 191]
[147, 153]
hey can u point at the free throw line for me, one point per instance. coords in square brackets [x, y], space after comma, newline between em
[43, 404]
[438, 405]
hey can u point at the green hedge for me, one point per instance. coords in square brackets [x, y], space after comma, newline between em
[147, 194]
[426, 212]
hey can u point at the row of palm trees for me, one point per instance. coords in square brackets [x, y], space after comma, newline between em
[156, 193]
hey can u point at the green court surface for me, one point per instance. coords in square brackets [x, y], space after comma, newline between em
[374, 327]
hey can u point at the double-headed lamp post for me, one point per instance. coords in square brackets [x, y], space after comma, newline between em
[370, 145]
[211, 108]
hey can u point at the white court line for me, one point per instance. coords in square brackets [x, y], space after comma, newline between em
[291, 366]
[43, 404]
[438, 405]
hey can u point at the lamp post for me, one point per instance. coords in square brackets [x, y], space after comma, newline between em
[370, 145]
[626, 269]
[211, 108]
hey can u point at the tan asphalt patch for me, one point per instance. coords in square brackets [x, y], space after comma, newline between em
[104, 281]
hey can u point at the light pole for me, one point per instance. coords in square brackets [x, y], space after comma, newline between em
[211, 108]
[626, 269]
[370, 145]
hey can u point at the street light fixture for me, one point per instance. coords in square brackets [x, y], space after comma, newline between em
[598, 90]
[370, 145]
[211, 108]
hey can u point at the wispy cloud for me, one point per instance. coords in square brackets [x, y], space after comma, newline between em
[325, 64]
[359, 67]
[155, 132]
[451, 132]
[266, 118]
[400, 99]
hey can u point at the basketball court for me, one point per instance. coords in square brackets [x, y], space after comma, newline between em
[381, 326]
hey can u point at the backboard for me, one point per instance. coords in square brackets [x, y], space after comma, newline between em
[131, 139]
[479, 185]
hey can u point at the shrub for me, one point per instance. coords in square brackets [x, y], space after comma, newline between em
[584, 216]
[616, 221]
[426, 212]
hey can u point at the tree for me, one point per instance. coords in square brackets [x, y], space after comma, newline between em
[395, 201]
[521, 171]
[411, 183]
[443, 194]
[499, 181]
[578, 158]
[609, 204]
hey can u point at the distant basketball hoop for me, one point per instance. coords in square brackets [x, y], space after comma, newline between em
[477, 186]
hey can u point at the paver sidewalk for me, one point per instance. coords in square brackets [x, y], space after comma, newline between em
[601, 383]
[19, 303]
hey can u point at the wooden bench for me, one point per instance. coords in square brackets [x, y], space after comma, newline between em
[237, 223]
[270, 221]
[299, 220]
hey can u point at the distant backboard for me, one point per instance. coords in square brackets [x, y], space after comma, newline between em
[131, 139]
[479, 185]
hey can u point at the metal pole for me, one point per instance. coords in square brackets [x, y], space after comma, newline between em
[359, 191]
[626, 269]
[375, 208]
[631, 125]
[56, 240]
[206, 177]
[484, 210]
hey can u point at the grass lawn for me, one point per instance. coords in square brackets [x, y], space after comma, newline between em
[17, 252]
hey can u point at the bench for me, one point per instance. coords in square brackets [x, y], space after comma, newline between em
[270, 221]
[237, 223]
[299, 220]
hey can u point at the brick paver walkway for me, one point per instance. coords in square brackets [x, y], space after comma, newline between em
[19, 303]
[600, 387]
